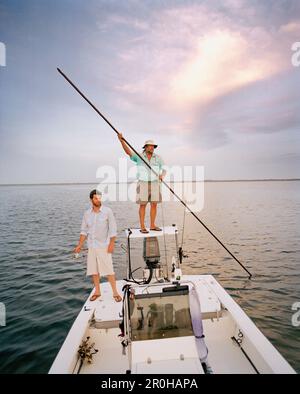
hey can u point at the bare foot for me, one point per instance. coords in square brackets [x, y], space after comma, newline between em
[117, 297]
[155, 228]
[94, 297]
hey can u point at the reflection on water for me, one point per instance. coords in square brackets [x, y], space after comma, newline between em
[43, 287]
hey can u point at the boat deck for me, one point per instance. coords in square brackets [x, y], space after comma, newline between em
[224, 355]
[110, 358]
[218, 329]
[222, 319]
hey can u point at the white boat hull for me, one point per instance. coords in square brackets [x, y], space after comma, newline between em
[223, 320]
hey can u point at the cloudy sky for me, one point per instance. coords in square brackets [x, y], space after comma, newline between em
[211, 81]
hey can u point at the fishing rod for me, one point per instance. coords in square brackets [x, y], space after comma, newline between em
[148, 165]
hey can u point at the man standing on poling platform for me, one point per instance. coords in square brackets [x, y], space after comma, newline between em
[149, 184]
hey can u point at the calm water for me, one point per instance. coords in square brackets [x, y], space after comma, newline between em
[43, 288]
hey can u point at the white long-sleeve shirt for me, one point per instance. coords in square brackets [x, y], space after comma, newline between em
[99, 227]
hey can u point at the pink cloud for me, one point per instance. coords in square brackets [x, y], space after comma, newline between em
[188, 57]
[193, 53]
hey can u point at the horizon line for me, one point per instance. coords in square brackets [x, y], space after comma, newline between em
[124, 183]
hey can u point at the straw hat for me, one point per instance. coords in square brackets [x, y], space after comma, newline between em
[150, 142]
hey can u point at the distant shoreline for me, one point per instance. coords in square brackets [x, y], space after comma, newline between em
[124, 183]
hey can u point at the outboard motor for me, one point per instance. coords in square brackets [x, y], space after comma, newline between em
[151, 255]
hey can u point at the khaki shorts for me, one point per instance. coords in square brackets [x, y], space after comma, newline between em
[148, 192]
[99, 262]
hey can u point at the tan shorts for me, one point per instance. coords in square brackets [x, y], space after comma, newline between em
[148, 192]
[99, 262]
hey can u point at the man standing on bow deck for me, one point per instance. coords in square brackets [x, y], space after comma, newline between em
[100, 229]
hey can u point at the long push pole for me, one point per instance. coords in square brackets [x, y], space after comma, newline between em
[148, 165]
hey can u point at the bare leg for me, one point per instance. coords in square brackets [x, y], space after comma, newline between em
[96, 281]
[153, 211]
[142, 212]
[112, 281]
